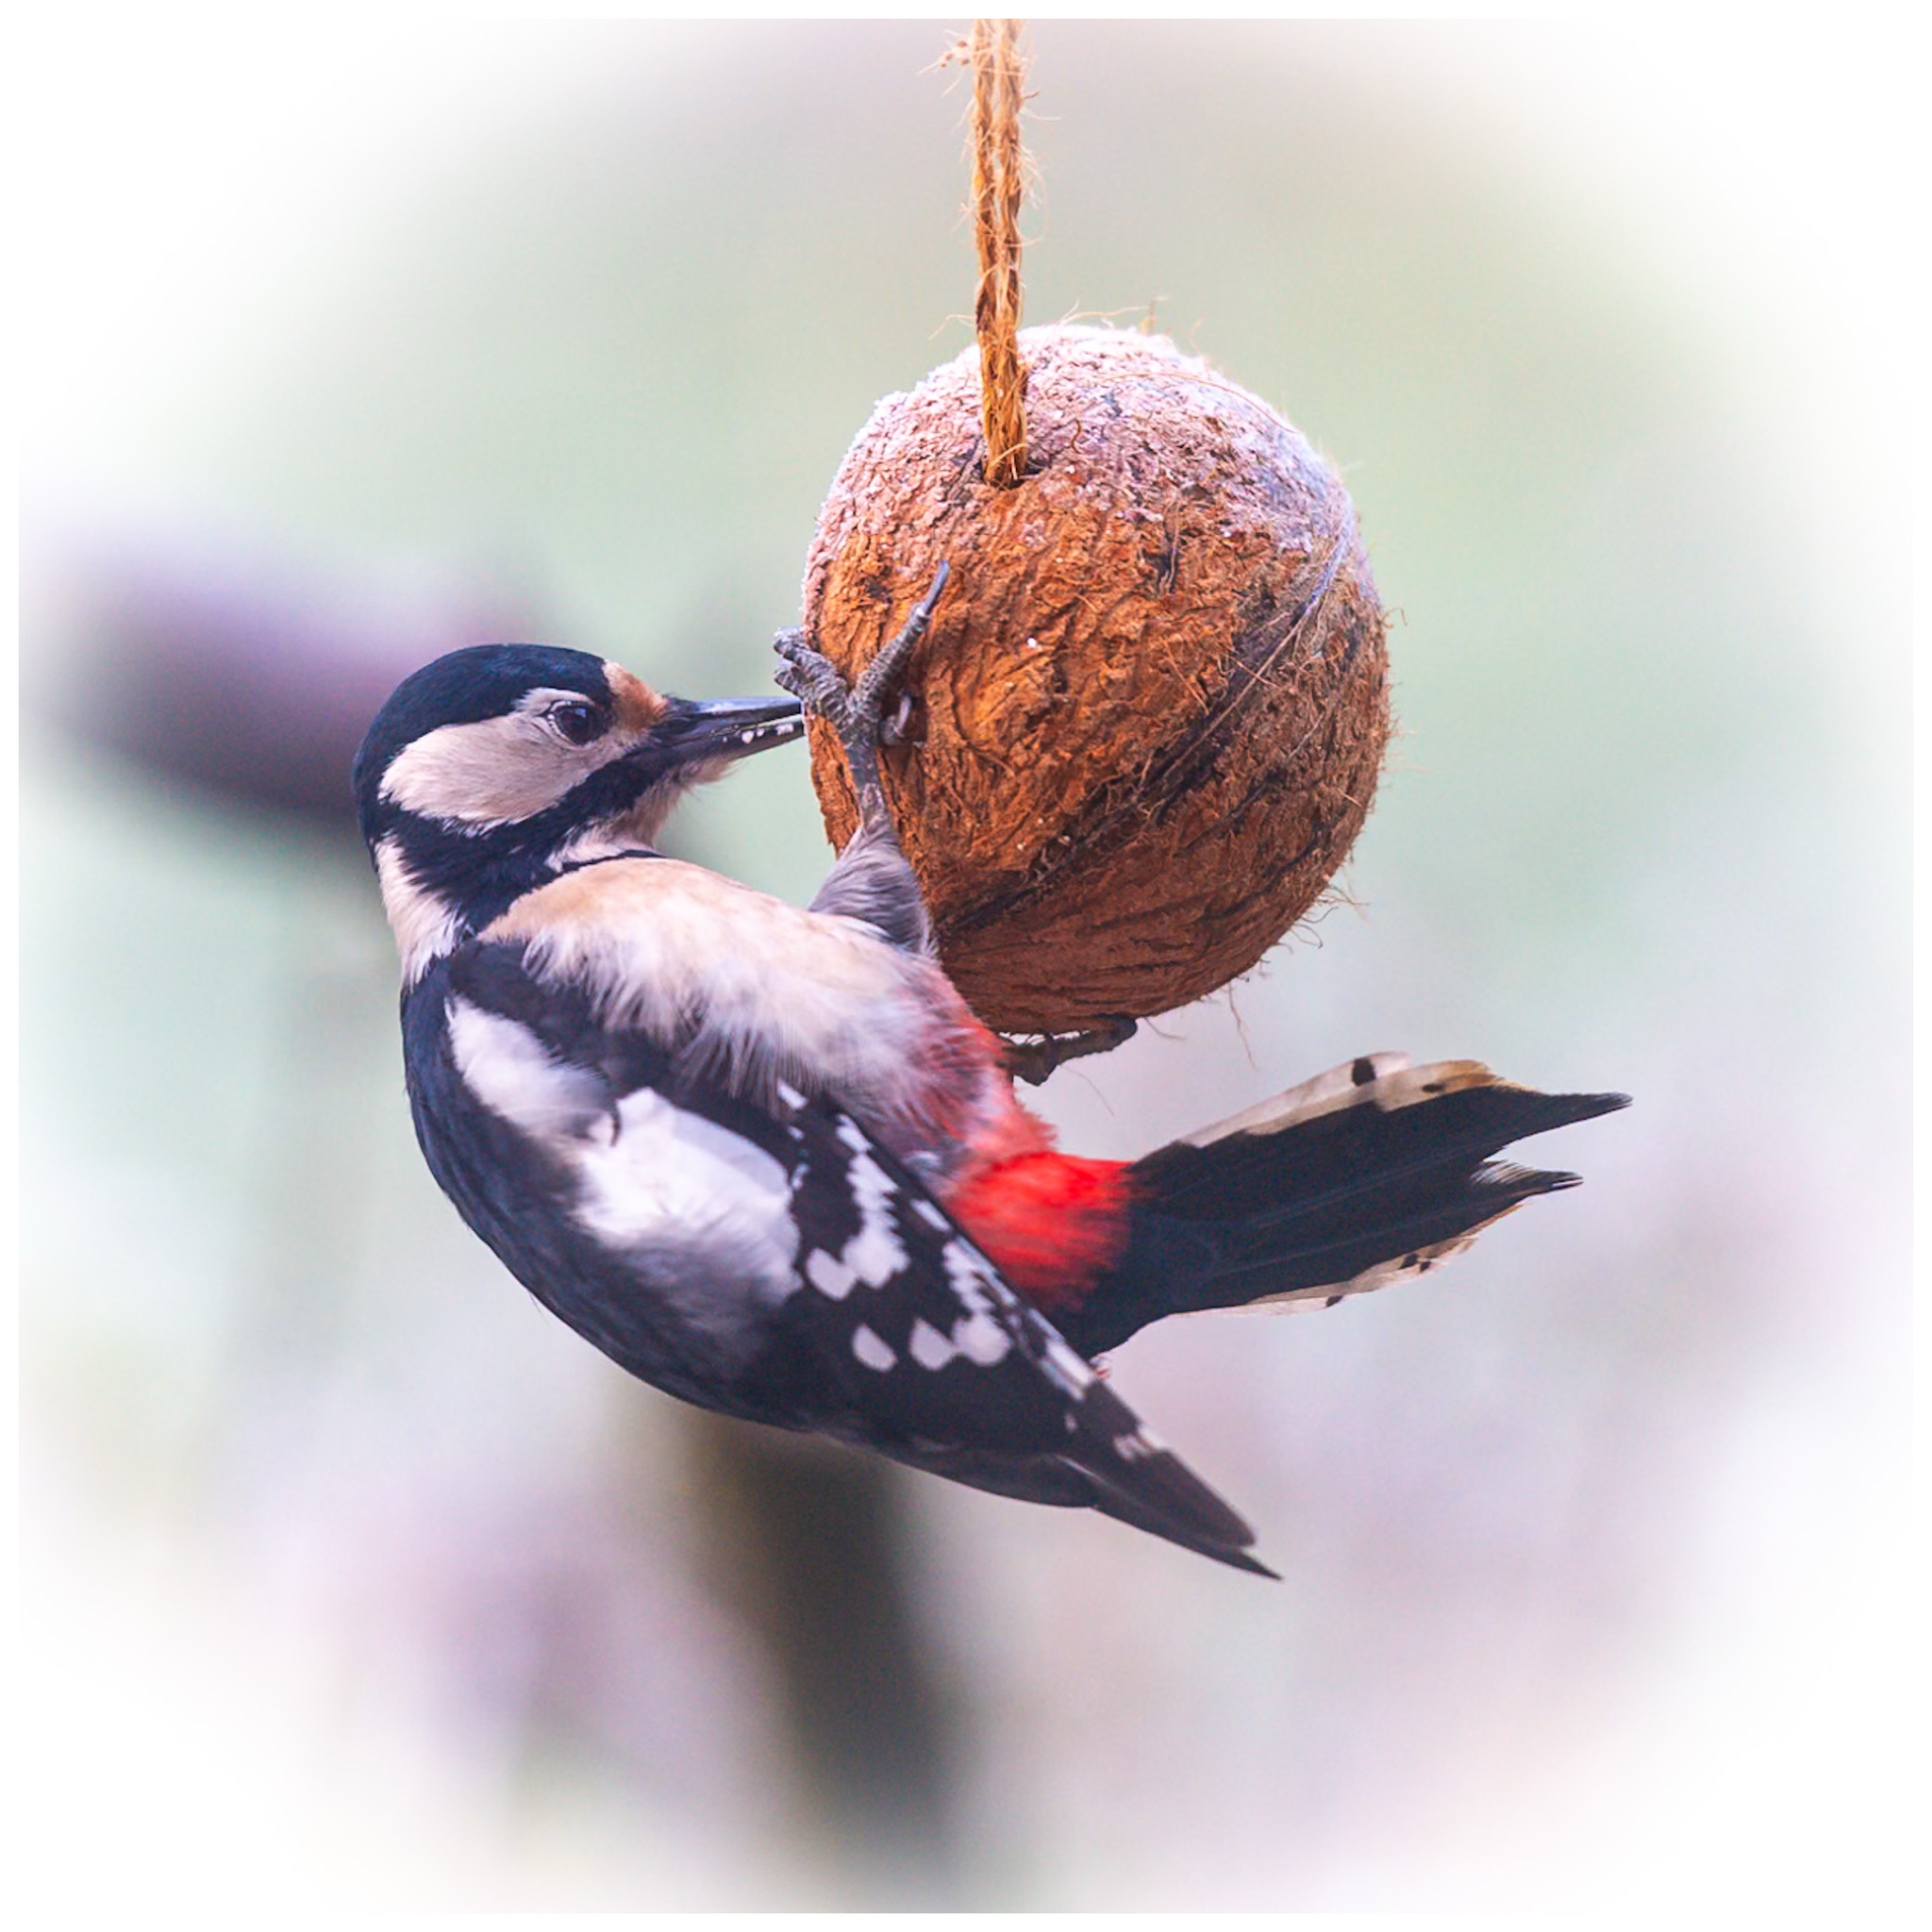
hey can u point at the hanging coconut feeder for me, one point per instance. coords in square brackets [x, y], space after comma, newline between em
[1148, 719]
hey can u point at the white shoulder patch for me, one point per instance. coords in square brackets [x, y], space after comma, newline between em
[703, 1215]
[509, 1070]
[706, 1212]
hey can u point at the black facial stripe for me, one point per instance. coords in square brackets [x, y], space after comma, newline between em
[454, 859]
[611, 857]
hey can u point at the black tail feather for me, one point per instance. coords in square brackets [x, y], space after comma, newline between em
[1155, 1491]
[1365, 1176]
[1325, 1255]
[1131, 1510]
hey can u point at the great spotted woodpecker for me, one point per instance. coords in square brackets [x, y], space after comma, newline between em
[767, 1160]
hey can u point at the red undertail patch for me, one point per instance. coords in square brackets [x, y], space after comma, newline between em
[1052, 1223]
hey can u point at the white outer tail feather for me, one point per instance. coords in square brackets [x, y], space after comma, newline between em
[1393, 1083]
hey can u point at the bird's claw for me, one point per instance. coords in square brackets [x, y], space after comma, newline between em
[881, 676]
[893, 728]
[812, 678]
[857, 711]
[1033, 1061]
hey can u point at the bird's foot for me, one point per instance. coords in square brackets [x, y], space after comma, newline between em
[811, 677]
[858, 711]
[1033, 1061]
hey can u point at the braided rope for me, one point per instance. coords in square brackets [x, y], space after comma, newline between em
[999, 171]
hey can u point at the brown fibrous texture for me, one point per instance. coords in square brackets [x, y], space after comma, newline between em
[1150, 713]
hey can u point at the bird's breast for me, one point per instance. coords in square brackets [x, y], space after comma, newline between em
[751, 991]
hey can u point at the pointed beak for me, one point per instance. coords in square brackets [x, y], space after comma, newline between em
[728, 728]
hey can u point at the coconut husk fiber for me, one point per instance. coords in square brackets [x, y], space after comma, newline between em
[1149, 716]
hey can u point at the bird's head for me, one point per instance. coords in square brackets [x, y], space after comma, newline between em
[492, 769]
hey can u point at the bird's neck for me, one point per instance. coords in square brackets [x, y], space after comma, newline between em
[439, 889]
[428, 924]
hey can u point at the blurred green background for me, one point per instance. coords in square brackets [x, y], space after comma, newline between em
[357, 1580]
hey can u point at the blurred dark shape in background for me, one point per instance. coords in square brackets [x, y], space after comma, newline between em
[252, 678]
[813, 1546]
[248, 675]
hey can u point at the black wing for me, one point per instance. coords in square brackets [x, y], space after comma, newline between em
[889, 1329]
[906, 1334]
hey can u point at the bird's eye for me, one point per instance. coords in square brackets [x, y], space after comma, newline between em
[580, 723]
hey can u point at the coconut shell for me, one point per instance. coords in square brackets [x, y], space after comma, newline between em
[1149, 716]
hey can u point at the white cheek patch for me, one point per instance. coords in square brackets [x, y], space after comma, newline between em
[497, 770]
[507, 1068]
